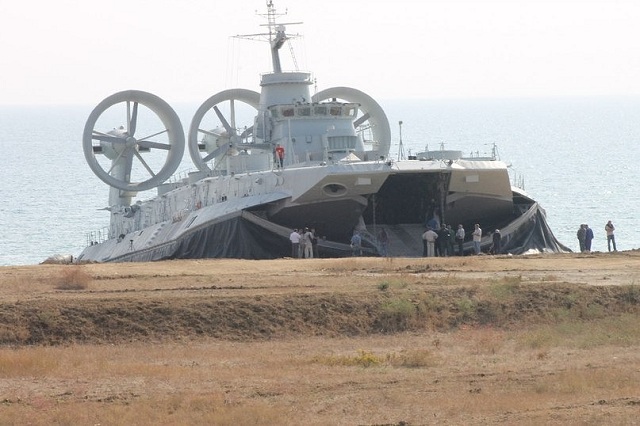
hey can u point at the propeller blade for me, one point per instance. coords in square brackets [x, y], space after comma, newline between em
[115, 162]
[216, 152]
[144, 163]
[361, 120]
[153, 135]
[133, 119]
[151, 144]
[224, 121]
[233, 113]
[208, 132]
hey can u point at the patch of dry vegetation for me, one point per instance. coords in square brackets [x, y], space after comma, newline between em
[540, 340]
[159, 317]
[72, 278]
[408, 358]
[469, 375]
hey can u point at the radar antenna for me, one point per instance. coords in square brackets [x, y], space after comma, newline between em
[276, 35]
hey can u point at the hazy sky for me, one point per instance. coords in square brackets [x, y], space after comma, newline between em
[80, 51]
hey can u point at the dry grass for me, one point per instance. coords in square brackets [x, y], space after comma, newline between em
[72, 278]
[541, 340]
[466, 376]
[409, 358]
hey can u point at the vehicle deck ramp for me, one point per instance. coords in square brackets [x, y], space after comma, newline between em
[405, 240]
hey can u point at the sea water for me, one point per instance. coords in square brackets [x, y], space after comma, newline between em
[577, 157]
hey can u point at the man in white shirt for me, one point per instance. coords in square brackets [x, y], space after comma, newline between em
[294, 237]
[477, 237]
[430, 237]
[460, 239]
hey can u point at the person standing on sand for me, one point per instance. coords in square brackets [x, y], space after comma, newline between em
[294, 237]
[460, 234]
[308, 243]
[443, 240]
[303, 242]
[497, 242]
[429, 243]
[452, 241]
[581, 234]
[611, 238]
[588, 237]
[314, 243]
[477, 237]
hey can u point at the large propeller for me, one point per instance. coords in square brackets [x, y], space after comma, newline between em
[214, 129]
[121, 145]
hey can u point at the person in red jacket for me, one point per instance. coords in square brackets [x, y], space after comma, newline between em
[280, 155]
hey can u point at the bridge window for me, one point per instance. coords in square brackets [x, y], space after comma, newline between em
[350, 111]
[320, 110]
[287, 111]
[304, 111]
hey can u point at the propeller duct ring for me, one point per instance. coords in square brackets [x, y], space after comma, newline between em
[169, 119]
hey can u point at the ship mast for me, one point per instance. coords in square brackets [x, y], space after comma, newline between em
[400, 146]
[276, 35]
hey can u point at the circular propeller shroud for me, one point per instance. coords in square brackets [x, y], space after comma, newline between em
[128, 146]
[248, 97]
[372, 111]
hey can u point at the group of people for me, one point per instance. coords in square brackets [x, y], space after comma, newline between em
[441, 242]
[585, 237]
[304, 243]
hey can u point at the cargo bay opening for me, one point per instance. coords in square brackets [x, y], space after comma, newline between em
[408, 198]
